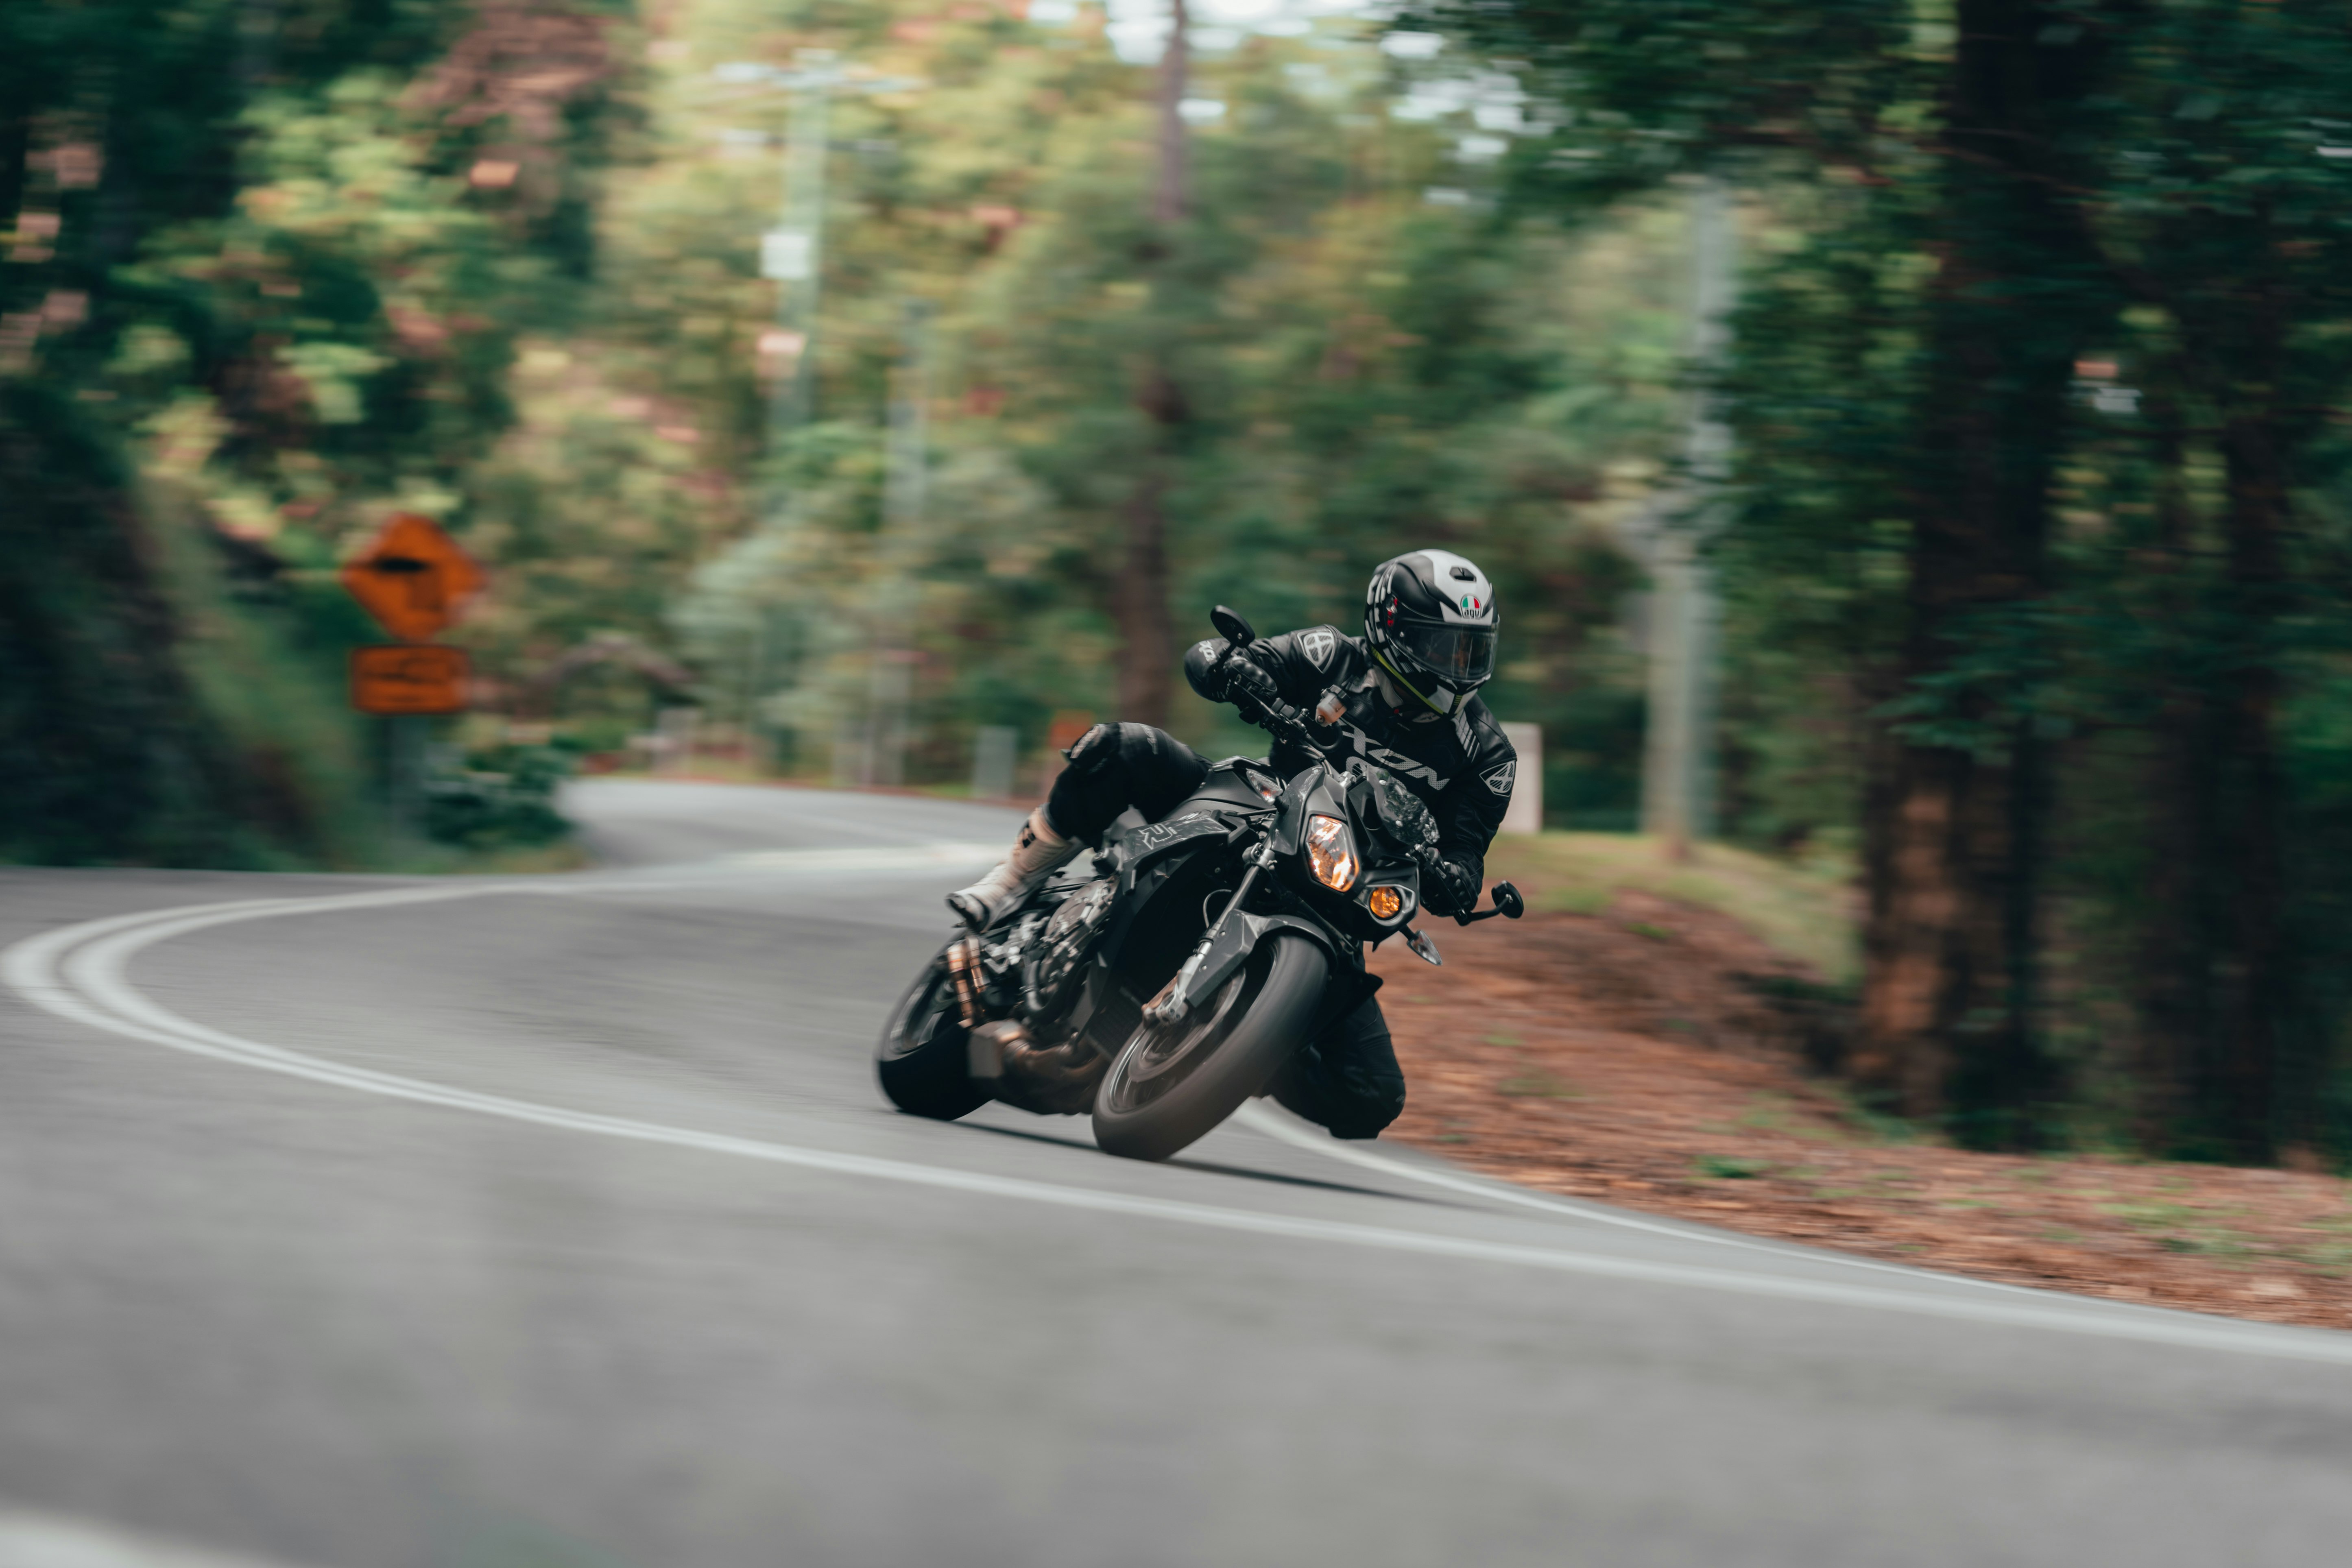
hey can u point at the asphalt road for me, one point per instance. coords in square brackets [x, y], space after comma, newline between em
[556, 1221]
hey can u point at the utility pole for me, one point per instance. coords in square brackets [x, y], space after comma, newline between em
[904, 481]
[1685, 617]
[791, 255]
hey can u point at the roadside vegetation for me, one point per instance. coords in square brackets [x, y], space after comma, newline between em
[1803, 909]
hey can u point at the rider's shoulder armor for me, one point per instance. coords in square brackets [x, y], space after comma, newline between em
[1490, 753]
[1307, 662]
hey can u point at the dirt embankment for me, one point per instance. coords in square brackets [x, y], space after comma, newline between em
[1654, 1055]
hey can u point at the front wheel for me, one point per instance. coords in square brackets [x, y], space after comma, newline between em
[924, 1059]
[1172, 1082]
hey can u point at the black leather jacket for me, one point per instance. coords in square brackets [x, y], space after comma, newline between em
[1462, 767]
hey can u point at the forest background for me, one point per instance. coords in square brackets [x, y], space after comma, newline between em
[2032, 537]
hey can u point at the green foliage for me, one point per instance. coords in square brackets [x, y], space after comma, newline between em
[499, 798]
[1363, 370]
[2039, 474]
[279, 273]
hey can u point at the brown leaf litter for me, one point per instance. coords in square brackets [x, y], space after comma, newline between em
[1655, 1055]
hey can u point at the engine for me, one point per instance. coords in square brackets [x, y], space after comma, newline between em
[1057, 958]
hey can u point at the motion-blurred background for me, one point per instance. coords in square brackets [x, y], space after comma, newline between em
[1908, 437]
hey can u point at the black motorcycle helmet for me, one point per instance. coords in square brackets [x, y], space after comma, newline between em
[1430, 620]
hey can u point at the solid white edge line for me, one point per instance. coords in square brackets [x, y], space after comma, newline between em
[79, 972]
[34, 1538]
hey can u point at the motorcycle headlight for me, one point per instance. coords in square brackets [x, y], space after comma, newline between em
[1386, 903]
[1330, 853]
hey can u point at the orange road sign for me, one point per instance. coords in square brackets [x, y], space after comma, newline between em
[409, 678]
[412, 577]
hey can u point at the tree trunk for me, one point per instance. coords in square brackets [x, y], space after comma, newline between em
[1140, 596]
[2178, 895]
[1139, 600]
[1175, 70]
[2241, 1088]
[1960, 797]
[2217, 1018]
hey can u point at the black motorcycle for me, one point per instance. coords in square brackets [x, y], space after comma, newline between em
[1164, 980]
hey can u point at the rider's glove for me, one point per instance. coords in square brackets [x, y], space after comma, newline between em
[1246, 685]
[1447, 885]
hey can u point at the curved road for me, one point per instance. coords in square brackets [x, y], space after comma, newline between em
[485, 1224]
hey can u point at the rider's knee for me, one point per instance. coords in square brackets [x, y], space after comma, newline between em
[1135, 750]
[1107, 746]
[1368, 1108]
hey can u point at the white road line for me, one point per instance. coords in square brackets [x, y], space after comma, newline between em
[79, 972]
[29, 1538]
[911, 857]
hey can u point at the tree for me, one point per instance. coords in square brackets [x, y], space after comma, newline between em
[1139, 599]
[2217, 201]
[2020, 218]
[262, 281]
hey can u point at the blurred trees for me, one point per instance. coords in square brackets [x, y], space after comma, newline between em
[263, 276]
[1362, 365]
[2038, 468]
[496, 261]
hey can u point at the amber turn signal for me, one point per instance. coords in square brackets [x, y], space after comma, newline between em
[1384, 903]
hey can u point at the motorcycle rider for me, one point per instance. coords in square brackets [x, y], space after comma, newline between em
[1407, 699]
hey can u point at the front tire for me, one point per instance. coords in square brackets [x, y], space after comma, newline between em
[1172, 1083]
[924, 1058]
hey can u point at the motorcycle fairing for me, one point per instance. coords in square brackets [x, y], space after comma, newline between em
[1230, 785]
[1156, 838]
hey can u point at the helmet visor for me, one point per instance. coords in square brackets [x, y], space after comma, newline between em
[1459, 656]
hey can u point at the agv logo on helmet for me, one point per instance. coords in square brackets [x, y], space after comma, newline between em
[1430, 620]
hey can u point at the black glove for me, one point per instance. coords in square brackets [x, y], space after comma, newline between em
[1245, 685]
[1447, 885]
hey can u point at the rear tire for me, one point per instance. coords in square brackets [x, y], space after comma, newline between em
[1171, 1084]
[924, 1059]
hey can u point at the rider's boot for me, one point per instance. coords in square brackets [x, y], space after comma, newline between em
[1036, 854]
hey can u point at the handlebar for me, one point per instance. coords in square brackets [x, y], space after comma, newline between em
[1508, 903]
[1277, 717]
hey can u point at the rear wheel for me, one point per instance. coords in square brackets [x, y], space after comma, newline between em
[924, 1059]
[1172, 1082]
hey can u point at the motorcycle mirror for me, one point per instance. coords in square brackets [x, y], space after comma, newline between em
[1232, 626]
[1423, 948]
[1507, 899]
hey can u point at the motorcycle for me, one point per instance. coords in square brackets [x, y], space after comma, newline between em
[1161, 982]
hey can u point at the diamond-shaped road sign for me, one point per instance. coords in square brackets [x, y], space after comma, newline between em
[412, 577]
